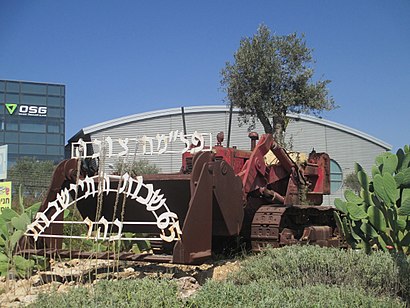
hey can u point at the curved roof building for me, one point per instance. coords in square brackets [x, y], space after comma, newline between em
[344, 145]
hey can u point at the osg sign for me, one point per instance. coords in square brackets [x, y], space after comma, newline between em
[26, 110]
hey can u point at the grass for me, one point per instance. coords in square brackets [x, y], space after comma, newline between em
[296, 276]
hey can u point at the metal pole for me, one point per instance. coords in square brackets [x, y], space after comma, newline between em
[183, 120]
[229, 124]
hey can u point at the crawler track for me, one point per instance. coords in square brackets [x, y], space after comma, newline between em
[278, 226]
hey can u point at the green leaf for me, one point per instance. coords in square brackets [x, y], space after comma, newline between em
[385, 188]
[32, 210]
[3, 228]
[392, 219]
[355, 211]
[363, 179]
[351, 197]
[23, 265]
[406, 162]
[7, 214]
[380, 159]
[401, 223]
[406, 240]
[403, 178]
[21, 199]
[20, 222]
[375, 171]
[368, 230]
[377, 218]
[15, 237]
[339, 223]
[404, 209]
[340, 205]
[390, 162]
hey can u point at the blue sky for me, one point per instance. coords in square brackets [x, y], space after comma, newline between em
[118, 58]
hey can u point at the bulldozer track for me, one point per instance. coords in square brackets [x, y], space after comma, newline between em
[278, 226]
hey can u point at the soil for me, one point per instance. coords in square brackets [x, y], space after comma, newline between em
[61, 276]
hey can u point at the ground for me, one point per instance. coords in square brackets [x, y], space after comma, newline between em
[65, 275]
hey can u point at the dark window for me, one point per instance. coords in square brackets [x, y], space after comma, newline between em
[12, 86]
[2, 86]
[12, 98]
[54, 90]
[54, 101]
[54, 150]
[11, 137]
[53, 127]
[54, 112]
[32, 138]
[33, 125]
[32, 149]
[13, 148]
[33, 88]
[28, 99]
[54, 139]
[12, 126]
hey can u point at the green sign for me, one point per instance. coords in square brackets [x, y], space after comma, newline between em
[11, 108]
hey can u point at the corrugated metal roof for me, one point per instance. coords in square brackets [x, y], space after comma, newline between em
[217, 108]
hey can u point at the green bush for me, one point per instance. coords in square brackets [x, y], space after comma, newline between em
[266, 293]
[300, 266]
[294, 276]
[122, 293]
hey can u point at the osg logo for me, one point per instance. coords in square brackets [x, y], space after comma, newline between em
[27, 110]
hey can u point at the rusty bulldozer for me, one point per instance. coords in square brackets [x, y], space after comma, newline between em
[263, 196]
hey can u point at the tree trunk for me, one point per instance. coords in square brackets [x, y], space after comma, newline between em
[279, 128]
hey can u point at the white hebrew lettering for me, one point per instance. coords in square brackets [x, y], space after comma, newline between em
[150, 145]
[124, 144]
[162, 139]
[119, 224]
[104, 222]
[135, 189]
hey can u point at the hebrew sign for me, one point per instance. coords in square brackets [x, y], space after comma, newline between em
[144, 145]
[143, 194]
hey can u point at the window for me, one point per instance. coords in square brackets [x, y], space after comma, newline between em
[54, 139]
[2, 85]
[11, 137]
[54, 112]
[12, 86]
[33, 88]
[33, 100]
[336, 176]
[54, 101]
[54, 90]
[33, 125]
[53, 127]
[12, 98]
[32, 138]
[54, 150]
[30, 149]
[12, 126]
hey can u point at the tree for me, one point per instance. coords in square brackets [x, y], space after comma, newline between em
[135, 168]
[272, 75]
[33, 175]
[351, 182]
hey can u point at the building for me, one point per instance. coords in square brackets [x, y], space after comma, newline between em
[32, 120]
[344, 145]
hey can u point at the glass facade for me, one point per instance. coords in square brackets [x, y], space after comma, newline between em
[32, 120]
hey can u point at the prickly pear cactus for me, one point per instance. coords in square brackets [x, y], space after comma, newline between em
[380, 214]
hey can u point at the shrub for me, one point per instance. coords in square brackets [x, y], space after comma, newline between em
[122, 293]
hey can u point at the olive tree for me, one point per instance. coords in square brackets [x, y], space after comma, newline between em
[270, 76]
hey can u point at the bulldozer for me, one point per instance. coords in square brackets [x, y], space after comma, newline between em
[260, 197]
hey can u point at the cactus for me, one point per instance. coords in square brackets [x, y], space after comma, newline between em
[379, 216]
